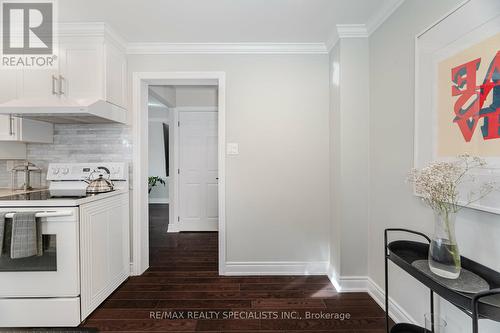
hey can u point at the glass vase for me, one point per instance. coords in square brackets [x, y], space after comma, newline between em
[444, 257]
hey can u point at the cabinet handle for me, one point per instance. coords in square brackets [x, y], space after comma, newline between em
[11, 125]
[54, 80]
[61, 79]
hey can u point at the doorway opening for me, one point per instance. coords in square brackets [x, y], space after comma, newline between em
[179, 148]
[183, 163]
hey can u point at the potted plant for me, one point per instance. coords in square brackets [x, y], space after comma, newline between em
[438, 186]
[152, 182]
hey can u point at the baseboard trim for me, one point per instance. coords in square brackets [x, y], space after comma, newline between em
[396, 311]
[366, 284]
[332, 275]
[276, 268]
[354, 284]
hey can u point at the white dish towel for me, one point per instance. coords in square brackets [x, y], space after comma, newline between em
[26, 240]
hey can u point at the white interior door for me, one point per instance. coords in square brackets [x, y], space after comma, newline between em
[198, 171]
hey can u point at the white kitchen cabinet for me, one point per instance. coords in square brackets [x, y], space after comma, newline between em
[7, 128]
[104, 241]
[116, 75]
[81, 70]
[8, 91]
[15, 129]
[92, 69]
[38, 84]
[87, 69]
[88, 83]
[12, 151]
[25, 130]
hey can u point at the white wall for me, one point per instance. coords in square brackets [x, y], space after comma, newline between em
[355, 164]
[165, 94]
[277, 192]
[335, 162]
[391, 138]
[350, 164]
[187, 96]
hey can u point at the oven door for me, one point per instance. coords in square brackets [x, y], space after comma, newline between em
[56, 272]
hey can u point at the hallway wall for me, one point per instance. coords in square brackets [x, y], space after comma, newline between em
[277, 188]
[392, 60]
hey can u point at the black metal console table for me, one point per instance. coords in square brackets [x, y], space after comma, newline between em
[483, 305]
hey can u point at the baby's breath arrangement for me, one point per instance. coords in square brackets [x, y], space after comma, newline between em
[437, 184]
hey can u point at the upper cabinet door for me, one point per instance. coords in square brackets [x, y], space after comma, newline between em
[9, 81]
[116, 74]
[38, 84]
[10, 84]
[81, 70]
[8, 128]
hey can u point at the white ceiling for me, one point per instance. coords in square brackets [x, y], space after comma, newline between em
[224, 21]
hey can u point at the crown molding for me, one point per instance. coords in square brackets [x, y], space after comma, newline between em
[226, 48]
[90, 29]
[380, 16]
[332, 41]
[363, 30]
[100, 29]
[352, 31]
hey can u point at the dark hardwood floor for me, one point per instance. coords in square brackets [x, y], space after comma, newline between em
[183, 281]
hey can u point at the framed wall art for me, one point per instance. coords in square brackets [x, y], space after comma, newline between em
[457, 92]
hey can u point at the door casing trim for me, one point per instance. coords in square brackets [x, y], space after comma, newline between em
[139, 119]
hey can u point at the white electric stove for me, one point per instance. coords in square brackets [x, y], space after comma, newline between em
[67, 185]
[86, 248]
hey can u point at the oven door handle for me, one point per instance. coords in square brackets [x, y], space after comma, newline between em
[59, 213]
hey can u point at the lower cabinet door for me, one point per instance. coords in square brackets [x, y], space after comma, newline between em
[104, 243]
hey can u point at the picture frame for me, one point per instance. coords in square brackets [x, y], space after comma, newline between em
[450, 119]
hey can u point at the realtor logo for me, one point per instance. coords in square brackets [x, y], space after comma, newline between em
[28, 34]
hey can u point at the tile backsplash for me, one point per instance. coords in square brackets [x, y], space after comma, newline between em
[4, 173]
[84, 143]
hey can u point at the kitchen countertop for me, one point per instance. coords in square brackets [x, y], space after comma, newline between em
[55, 202]
[8, 191]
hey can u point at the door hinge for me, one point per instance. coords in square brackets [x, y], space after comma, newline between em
[178, 218]
[178, 124]
[178, 171]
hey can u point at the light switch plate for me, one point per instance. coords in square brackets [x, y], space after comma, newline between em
[232, 149]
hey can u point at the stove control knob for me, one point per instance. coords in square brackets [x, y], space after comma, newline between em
[55, 171]
[65, 171]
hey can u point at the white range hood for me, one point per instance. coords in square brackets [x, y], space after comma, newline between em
[65, 111]
[87, 85]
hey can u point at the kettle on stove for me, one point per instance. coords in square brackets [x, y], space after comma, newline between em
[99, 184]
